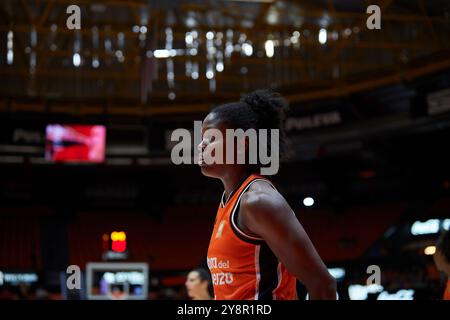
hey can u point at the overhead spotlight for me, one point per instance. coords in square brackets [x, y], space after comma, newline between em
[293, 39]
[270, 48]
[119, 54]
[191, 22]
[136, 29]
[212, 85]
[161, 53]
[143, 29]
[10, 57]
[95, 63]
[9, 45]
[323, 36]
[188, 38]
[248, 49]
[430, 250]
[211, 50]
[209, 35]
[188, 68]
[108, 45]
[308, 202]
[209, 74]
[229, 49]
[76, 59]
[273, 16]
[120, 39]
[219, 66]
[347, 32]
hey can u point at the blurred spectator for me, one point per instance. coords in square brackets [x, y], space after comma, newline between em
[42, 294]
[25, 292]
[198, 284]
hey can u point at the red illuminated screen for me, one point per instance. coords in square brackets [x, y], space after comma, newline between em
[79, 143]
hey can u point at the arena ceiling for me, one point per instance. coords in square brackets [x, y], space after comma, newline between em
[145, 57]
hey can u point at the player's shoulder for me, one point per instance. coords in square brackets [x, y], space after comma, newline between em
[261, 197]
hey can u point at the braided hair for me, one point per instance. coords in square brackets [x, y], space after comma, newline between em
[261, 109]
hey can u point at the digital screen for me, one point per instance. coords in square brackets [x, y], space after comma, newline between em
[75, 143]
[16, 278]
[117, 281]
[362, 292]
[118, 284]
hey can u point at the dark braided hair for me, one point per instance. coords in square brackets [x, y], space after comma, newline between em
[261, 109]
[443, 245]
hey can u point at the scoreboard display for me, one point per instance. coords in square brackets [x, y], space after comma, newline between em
[117, 281]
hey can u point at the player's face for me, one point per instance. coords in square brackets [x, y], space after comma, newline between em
[212, 141]
[194, 285]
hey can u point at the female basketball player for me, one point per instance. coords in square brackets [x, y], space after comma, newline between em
[258, 247]
[197, 284]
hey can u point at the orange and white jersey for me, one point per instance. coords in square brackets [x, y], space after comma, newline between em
[447, 291]
[243, 267]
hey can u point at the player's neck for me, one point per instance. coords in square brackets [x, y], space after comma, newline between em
[233, 180]
[205, 296]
